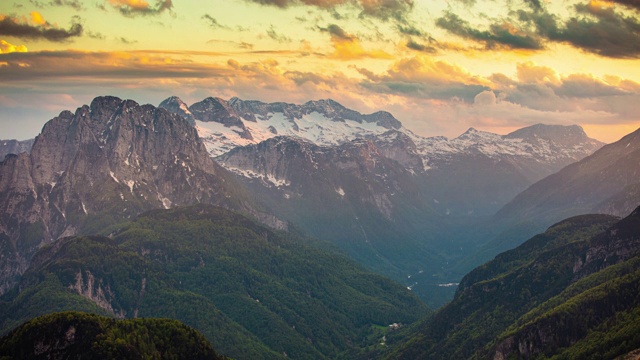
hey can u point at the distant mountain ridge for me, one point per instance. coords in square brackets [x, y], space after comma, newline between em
[14, 147]
[499, 166]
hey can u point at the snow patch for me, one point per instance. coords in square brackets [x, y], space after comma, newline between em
[340, 191]
[130, 183]
[114, 177]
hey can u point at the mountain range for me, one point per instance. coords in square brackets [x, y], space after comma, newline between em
[203, 213]
[362, 182]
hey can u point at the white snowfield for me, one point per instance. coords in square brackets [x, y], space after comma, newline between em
[324, 131]
[314, 127]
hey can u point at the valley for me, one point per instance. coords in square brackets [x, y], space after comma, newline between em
[313, 231]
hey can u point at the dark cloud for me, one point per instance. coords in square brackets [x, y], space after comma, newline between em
[95, 35]
[380, 9]
[536, 5]
[387, 9]
[468, 3]
[599, 30]
[497, 35]
[70, 3]
[127, 41]
[213, 23]
[337, 32]
[132, 8]
[428, 91]
[410, 30]
[271, 32]
[634, 4]
[10, 26]
[411, 44]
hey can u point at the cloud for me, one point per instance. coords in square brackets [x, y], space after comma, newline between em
[595, 27]
[634, 4]
[386, 9]
[272, 33]
[499, 35]
[424, 77]
[430, 96]
[530, 73]
[75, 4]
[348, 47]
[213, 23]
[132, 8]
[38, 28]
[127, 41]
[408, 29]
[380, 9]
[535, 5]
[6, 47]
[411, 44]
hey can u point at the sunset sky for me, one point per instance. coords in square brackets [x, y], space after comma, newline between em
[440, 67]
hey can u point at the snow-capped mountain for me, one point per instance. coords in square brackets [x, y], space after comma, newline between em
[540, 142]
[224, 125]
[474, 173]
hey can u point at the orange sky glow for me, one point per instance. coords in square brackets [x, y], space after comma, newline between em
[439, 67]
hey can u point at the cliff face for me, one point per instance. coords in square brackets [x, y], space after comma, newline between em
[107, 161]
[596, 313]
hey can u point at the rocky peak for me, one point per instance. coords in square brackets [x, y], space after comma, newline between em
[558, 134]
[175, 105]
[218, 110]
[114, 158]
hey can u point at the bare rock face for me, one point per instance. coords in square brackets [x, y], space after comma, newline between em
[175, 105]
[218, 110]
[110, 160]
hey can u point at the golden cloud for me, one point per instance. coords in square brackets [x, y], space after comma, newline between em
[347, 46]
[133, 4]
[6, 48]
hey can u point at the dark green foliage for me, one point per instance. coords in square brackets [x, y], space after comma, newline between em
[544, 298]
[253, 292]
[597, 317]
[74, 335]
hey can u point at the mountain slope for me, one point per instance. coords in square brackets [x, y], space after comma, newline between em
[391, 199]
[571, 290]
[353, 196]
[582, 186]
[104, 163]
[253, 292]
[73, 335]
[605, 182]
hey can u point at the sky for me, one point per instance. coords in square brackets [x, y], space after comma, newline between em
[439, 67]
